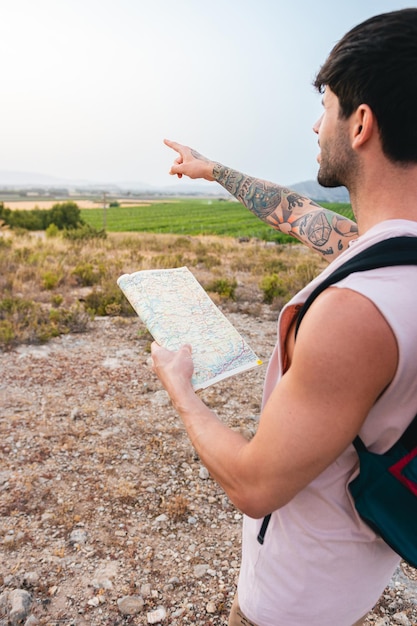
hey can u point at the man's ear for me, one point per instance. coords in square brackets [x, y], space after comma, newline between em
[363, 125]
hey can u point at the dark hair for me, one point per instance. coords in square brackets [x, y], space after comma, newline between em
[375, 63]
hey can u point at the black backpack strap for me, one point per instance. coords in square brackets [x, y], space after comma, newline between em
[393, 251]
[409, 438]
[262, 532]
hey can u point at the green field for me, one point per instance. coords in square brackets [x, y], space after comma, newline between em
[190, 217]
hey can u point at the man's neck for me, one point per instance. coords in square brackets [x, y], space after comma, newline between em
[389, 194]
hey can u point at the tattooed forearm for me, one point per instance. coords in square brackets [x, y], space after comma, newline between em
[258, 196]
[289, 212]
[319, 227]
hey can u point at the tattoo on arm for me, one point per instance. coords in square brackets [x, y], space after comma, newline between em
[258, 196]
[282, 209]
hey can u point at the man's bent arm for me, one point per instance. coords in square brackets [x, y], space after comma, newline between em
[322, 230]
[313, 413]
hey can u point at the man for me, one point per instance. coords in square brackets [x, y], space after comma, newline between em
[353, 368]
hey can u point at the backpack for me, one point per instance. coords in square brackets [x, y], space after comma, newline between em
[385, 491]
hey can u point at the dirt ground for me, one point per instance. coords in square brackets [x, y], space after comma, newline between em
[107, 515]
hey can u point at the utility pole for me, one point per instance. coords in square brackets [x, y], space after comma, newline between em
[104, 211]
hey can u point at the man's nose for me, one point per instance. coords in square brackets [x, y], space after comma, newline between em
[316, 126]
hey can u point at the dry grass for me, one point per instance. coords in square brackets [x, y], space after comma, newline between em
[49, 284]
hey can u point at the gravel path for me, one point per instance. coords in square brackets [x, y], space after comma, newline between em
[107, 517]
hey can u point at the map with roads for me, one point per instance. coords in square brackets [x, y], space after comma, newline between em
[176, 310]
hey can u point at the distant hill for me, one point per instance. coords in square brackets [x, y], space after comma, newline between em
[22, 180]
[313, 190]
[25, 180]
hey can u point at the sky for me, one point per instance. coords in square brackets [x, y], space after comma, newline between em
[90, 88]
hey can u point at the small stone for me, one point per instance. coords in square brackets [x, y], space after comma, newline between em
[157, 616]
[226, 504]
[78, 536]
[201, 570]
[130, 605]
[401, 618]
[4, 602]
[9, 541]
[211, 607]
[102, 583]
[203, 473]
[32, 621]
[20, 602]
[31, 579]
[75, 413]
[145, 590]
[103, 576]
[161, 518]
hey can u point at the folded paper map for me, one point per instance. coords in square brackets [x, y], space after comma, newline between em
[176, 310]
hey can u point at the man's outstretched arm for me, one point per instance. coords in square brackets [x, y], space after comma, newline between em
[322, 230]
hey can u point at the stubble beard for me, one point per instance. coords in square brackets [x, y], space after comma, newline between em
[337, 164]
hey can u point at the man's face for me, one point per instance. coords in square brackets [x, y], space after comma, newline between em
[337, 160]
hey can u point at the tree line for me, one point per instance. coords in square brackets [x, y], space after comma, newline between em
[64, 215]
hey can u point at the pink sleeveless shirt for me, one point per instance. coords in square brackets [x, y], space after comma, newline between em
[320, 564]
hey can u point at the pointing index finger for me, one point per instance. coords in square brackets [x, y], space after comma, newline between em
[173, 144]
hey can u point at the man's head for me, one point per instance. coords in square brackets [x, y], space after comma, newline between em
[375, 64]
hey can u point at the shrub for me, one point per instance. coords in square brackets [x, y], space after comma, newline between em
[273, 286]
[108, 300]
[224, 287]
[72, 320]
[5, 244]
[166, 261]
[305, 273]
[64, 215]
[26, 321]
[87, 274]
[50, 280]
[84, 232]
[52, 230]
[208, 261]
[6, 333]
[57, 300]
[113, 309]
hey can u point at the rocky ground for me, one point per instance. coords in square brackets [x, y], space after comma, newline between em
[107, 516]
